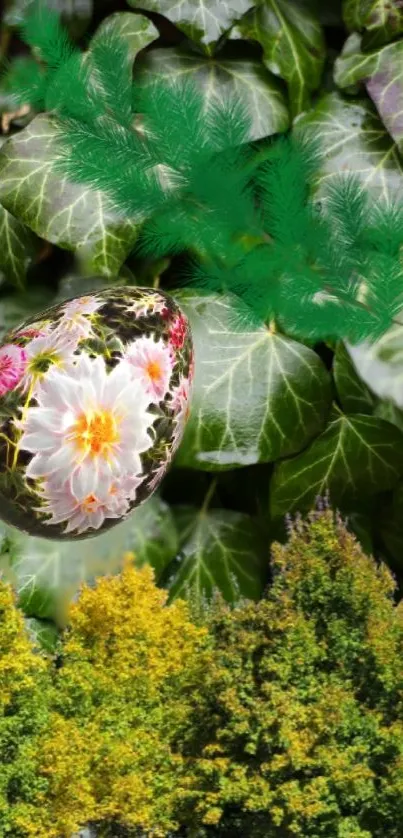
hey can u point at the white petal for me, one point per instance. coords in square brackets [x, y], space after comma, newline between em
[39, 441]
[84, 480]
[37, 467]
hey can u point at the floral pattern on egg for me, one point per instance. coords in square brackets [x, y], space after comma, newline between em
[94, 398]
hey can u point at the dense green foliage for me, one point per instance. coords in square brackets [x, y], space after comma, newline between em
[307, 698]
[276, 421]
[268, 719]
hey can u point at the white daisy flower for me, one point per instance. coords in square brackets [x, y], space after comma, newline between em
[89, 427]
[76, 320]
[151, 363]
[54, 349]
[151, 303]
[111, 501]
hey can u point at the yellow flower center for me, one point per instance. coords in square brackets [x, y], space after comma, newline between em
[88, 503]
[96, 432]
[154, 370]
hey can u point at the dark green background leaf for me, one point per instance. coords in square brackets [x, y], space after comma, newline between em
[218, 549]
[357, 456]
[382, 20]
[76, 14]
[257, 395]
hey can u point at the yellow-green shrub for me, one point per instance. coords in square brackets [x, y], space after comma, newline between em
[132, 671]
[24, 694]
[306, 699]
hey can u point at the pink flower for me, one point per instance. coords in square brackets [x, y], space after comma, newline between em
[178, 331]
[151, 364]
[13, 361]
[181, 405]
[110, 501]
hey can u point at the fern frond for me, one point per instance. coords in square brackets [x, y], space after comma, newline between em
[42, 30]
[26, 81]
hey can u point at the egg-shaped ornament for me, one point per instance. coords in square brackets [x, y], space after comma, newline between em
[94, 398]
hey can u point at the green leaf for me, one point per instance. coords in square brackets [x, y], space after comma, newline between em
[218, 549]
[257, 395]
[69, 215]
[354, 458]
[353, 394]
[382, 20]
[75, 14]
[136, 30]
[47, 574]
[259, 91]
[352, 138]
[293, 45]
[18, 248]
[204, 23]
[44, 634]
[385, 409]
[380, 364]
[382, 72]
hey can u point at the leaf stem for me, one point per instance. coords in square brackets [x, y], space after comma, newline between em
[209, 495]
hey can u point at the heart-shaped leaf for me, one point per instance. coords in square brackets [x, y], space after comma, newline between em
[382, 72]
[204, 23]
[355, 457]
[72, 216]
[136, 31]
[47, 574]
[258, 90]
[218, 549]
[353, 139]
[293, 45]
[18, 248]
[353, 394]
[257, 395]
[382, 20]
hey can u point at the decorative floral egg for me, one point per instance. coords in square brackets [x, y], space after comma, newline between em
[94, 397]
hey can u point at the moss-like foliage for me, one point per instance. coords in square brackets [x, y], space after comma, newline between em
[24, 686]
[130, 677]
[270, 719]
[306, 735]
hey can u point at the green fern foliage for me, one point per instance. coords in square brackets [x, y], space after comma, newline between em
[248, 218]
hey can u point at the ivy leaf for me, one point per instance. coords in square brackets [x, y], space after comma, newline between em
[18, 248]
[258, 90]
[385, 409]
[382, 20]
[353, 394]
[43, 633]
[75, 14]
[136, 30]
[352, 138]
[382, 72]
[356, 457]
[293, 45]
[69, 215]
[380, 364]
[204, 23]
[257, 395]
[47, 574]
[218, 549]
